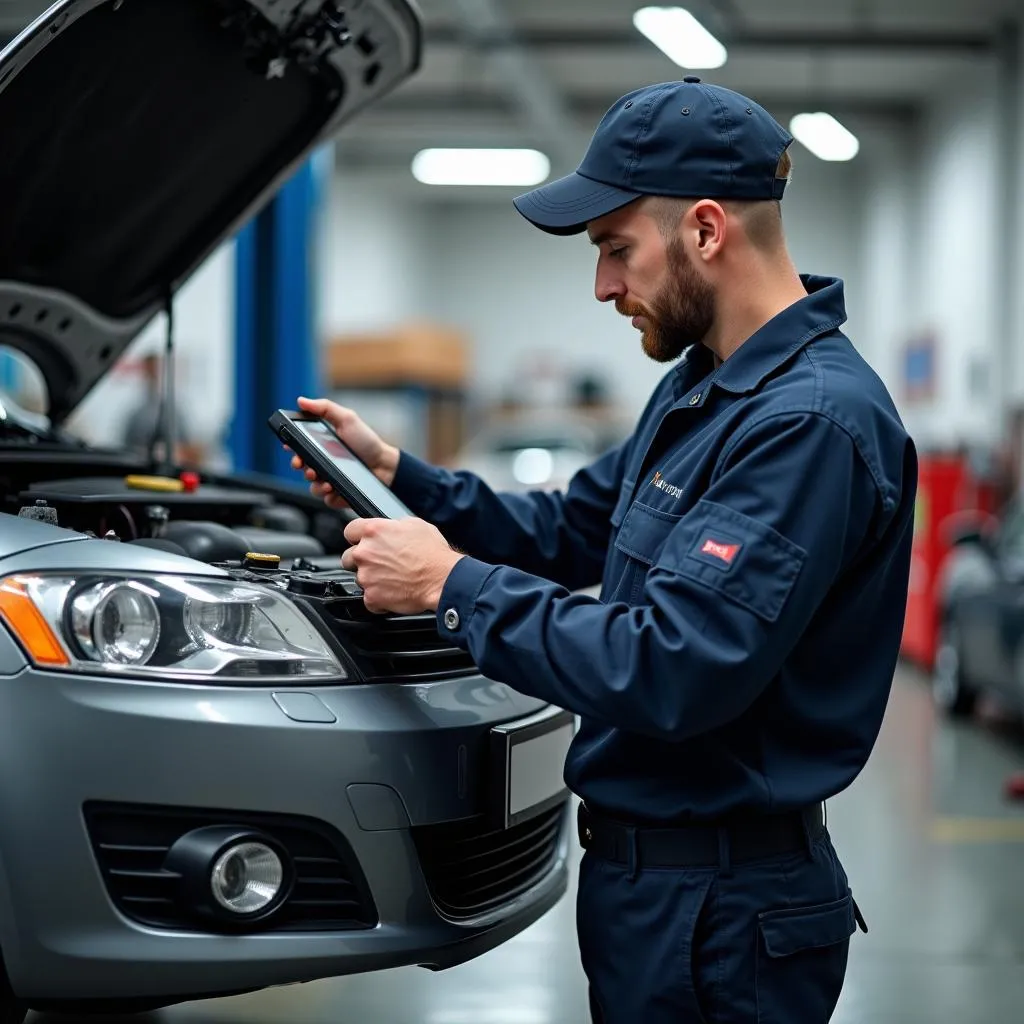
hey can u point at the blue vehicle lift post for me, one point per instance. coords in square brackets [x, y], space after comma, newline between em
[277, 354]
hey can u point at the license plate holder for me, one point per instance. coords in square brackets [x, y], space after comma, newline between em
[527, 758]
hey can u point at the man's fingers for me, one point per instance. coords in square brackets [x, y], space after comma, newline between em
[335, 414]
[324, 491]
[355, 530]
[313, 405]
[317, 487]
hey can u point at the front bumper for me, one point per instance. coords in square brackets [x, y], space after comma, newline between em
[396, 758]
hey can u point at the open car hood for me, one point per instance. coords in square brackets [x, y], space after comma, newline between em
[138, 135]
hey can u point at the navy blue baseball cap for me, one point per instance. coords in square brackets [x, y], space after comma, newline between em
[686, 139]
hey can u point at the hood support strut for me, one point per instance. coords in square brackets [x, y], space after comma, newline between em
[164, 437]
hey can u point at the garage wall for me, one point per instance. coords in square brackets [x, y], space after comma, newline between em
[935, 239]
[959, 230]
[204, 339]
[888, 252]
[527, 300]
[1012, 220]
[375, 267]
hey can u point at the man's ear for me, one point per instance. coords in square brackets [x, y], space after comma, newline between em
[707, 221]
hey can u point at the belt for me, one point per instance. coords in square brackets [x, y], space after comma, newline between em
[701, 844]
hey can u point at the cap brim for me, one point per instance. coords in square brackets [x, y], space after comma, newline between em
[564, 206]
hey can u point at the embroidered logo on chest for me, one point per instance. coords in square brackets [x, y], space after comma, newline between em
[717, 549]
[662, 485]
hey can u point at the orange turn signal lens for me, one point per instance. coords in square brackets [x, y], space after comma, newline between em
[28, 624]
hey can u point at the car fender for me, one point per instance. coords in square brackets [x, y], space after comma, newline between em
[10, 946]
[12, 662]
[12, 658]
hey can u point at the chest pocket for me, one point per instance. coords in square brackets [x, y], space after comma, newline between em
[644, 531]
[641, 536]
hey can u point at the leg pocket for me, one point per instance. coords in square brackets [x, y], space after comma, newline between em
[801, 961]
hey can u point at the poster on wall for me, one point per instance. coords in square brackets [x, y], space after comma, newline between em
[919, 356]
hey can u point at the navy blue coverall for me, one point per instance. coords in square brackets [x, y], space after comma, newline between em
[752, 538]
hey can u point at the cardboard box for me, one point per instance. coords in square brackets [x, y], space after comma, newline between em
[413, 354]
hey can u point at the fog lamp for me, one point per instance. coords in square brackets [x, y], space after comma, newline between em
[231, 875]
[247, 878]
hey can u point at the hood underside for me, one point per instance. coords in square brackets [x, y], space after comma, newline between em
[138, 135]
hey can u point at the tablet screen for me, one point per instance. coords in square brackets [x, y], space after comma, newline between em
[361, 478]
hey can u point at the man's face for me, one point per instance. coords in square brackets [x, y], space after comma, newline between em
[652, 279]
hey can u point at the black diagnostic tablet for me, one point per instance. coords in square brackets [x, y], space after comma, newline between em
[320, 448]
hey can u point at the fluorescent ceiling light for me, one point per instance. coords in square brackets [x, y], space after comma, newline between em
[824, 136]
[480, 167]
[680, 36]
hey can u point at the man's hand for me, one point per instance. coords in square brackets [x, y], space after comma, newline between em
[380, 456]
[401, 564]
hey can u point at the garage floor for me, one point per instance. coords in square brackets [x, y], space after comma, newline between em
[935, 857]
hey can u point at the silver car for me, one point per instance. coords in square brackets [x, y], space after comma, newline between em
[220, 772]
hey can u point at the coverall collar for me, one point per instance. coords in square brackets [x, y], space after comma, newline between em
[822, 311]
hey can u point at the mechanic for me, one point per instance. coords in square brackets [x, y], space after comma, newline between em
[752, 538]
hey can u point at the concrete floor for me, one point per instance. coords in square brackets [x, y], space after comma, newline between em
[935, 856]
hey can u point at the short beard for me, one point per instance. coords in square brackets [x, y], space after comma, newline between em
[682, 315]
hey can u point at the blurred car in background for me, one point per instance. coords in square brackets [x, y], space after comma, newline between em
[981, 612]
[540, 452]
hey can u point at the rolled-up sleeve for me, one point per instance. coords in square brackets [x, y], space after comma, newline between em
[734, 583]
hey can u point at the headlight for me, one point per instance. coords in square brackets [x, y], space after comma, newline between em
[116, 622]
[164, 626]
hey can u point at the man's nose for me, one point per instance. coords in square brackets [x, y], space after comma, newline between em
[608, 287]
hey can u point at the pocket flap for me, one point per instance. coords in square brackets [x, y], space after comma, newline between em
[794, 929]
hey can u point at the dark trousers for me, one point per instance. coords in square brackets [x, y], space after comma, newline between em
[762, 942]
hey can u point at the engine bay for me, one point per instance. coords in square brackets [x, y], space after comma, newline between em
[203, 516]
[258, 531]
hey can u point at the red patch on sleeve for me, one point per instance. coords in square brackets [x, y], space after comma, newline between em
[726, 552]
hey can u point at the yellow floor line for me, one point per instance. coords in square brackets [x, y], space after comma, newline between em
[977, 830]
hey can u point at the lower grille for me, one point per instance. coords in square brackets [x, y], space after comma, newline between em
[472, 868]
[404, 647]
[131, 844]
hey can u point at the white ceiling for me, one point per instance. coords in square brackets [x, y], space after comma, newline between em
[541, 72]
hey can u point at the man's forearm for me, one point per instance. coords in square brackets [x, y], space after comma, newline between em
[546, 534]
